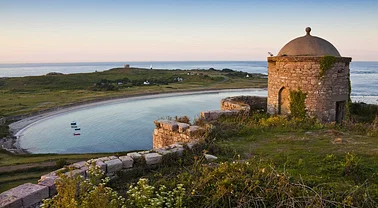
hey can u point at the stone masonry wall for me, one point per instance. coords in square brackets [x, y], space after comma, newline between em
[302, 73]
[246, 103]
[168, 132]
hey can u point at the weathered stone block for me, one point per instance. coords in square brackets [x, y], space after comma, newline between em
[101, 164]
[78, 165]
[103, 159]
[153, 158]
[175, 145]
[171, 126]
[178, 150]
[113, 166]
[134, 155]
[144, 152]
[191, 144]
[195, 131]
[50, 183]
[210, 158]
[182, 127]
[9, 200]
[28, 194]
[127, 161]
[54, 173]
[163, 151]
[73, 173]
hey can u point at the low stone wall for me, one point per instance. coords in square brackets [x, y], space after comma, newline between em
[235, 105]
[31, 195]
[168, 132]
[245, 103]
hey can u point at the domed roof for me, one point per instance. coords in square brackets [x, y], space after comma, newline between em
[308, 45]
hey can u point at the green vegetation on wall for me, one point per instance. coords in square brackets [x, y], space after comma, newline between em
[326, 63]
[297, 103]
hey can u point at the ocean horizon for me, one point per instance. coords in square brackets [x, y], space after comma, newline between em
[364, 74]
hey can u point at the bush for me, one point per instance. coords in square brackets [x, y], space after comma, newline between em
[143, 195]
[362, 112]
[60, 163]
[75, 191]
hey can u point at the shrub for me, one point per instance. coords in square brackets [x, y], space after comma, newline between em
[143, 195]
[362, 112]
[60, 163]
[75, 191]
[183, 119]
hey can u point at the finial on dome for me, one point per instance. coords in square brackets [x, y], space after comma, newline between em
[308, 30]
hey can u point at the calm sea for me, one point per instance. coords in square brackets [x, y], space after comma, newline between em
[364, 75]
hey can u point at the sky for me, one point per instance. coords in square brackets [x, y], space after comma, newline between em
[47, 31]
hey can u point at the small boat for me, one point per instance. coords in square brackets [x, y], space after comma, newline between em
[73, 126]
[76, 134]
[73, 123]
[77, 129]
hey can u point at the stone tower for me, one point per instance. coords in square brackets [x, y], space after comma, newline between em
[314, 67]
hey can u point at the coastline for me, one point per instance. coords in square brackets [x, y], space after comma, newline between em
[16, 128]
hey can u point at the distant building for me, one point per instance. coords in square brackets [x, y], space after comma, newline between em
[127, 66]
[313, 66]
